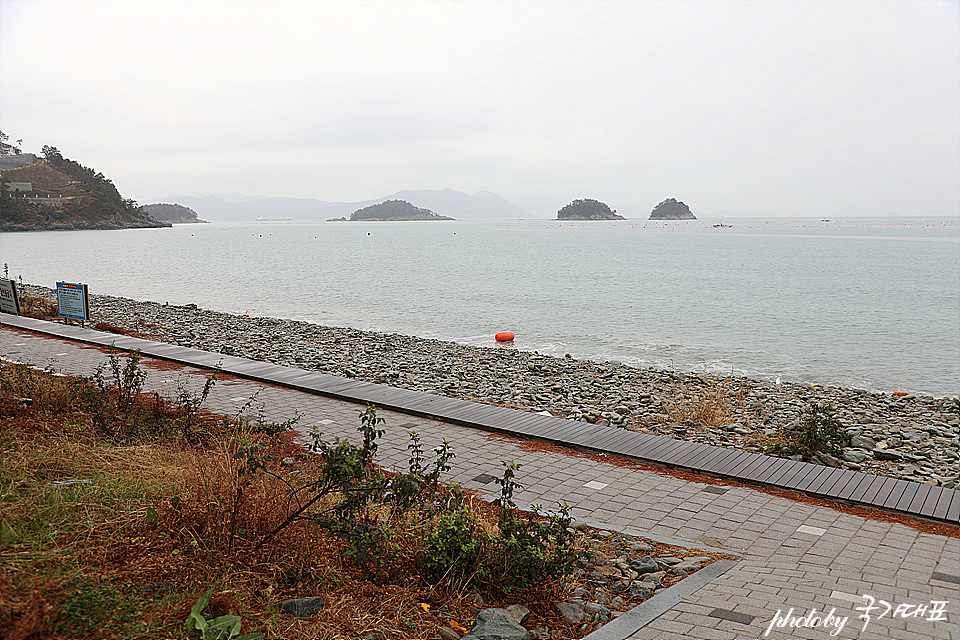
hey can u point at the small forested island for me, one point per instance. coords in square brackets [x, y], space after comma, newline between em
[671, 209]
[395, 210]
[587, 209]
[176, 213]
[56, 193]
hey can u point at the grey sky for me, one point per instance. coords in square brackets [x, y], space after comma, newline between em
[767, 108]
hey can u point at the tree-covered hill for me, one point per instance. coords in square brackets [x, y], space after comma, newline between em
[395, 210]
[588, 209]
[64, 194]
[172, 212]
[671, 209]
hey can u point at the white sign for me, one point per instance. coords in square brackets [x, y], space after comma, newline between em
[9, 300]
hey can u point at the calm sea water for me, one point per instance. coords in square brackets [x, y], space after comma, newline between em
[872, 304]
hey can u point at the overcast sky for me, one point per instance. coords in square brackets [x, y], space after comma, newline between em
[767, 108]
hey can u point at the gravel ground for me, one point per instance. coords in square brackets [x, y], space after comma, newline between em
[911, 437]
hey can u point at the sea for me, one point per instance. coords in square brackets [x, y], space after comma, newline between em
[862, 303]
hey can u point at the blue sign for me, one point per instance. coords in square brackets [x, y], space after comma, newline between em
[72, 301]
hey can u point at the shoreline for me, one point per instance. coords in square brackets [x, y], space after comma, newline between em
[911, 437]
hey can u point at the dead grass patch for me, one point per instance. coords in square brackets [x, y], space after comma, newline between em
[714, 403]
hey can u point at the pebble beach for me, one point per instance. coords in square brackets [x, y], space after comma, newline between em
[903, 436]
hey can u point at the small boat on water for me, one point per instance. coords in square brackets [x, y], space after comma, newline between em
[262, 219]
[720, 225]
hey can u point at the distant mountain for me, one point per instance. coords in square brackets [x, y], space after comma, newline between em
[446, 202]
[540, 205]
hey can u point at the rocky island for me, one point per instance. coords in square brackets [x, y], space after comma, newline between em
[395, 210]
[587, 209]
[176, 213]
[671, 209]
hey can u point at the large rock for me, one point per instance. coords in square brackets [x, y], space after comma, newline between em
[571, 611]
[643, 565]
[577, 611]
[886, 454]
[496, 624]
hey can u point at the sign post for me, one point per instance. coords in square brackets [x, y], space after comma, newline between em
[72, 301]
[9, 300]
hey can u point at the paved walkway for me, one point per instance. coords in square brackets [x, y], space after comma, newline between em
[793, 555]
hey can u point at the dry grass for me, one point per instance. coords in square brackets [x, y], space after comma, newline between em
[718, 402]
[38, 307]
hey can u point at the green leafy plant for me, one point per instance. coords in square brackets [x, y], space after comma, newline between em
[225, 627]
[127, 382]
[189, 403]
[453, 551]
[347, 470]
[819, 431]
[418, 486]
[532, 545]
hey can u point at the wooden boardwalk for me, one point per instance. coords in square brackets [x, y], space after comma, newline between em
[911, 498]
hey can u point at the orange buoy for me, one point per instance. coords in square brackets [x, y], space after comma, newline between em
[899, 394]
[504, 336]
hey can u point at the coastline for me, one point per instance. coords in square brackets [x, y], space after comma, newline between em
[911, 437]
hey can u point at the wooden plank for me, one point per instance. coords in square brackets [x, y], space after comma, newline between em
[789, 469]
[721, 464]
[868, 489]
[620, 441]
[465, 411]
[644, 446]
[567, 432]
[803, 477]
[661, 444]
[695, 451]
[610, 441]
[754, 463]
[903, 503]
[917, 503]
[898, 489]
[838, 482]
[695, 458]
[801, 472]
[757, 473]
[847, 490]
[663, 452]
[827, 479]
[800, 483]
[705, 455]
[745, 463]
[943, 504]
[882, 492]
[764, 474]
[573, 430]
[930, 504]
[678, 451]
[639, 441]
[953, 511]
